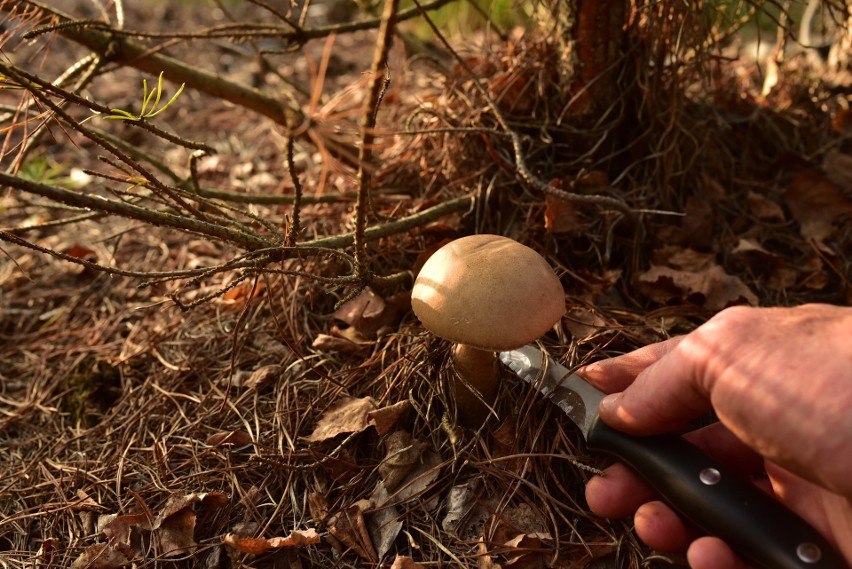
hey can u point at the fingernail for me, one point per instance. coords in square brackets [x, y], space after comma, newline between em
[589, 371]
[609, 402]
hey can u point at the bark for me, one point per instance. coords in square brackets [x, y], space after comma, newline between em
[591, 38]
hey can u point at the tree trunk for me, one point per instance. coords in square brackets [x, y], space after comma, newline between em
[591, 36]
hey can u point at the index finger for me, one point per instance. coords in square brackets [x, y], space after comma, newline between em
[615, 374]
[666, 394]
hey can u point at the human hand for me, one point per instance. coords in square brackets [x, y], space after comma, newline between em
[780, 381]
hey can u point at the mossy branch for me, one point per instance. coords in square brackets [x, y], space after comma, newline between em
[117, 47]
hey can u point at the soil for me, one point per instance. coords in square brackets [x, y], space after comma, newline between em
[289, 420]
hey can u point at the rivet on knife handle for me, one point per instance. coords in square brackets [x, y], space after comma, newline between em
[703, 491]
[708, 494]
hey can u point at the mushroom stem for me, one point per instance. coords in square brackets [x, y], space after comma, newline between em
[475, 370]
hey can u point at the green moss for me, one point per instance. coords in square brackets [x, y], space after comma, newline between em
[90, 390]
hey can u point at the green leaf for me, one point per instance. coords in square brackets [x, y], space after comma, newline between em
[168, 104]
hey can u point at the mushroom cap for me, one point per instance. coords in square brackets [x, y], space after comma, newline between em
[489, 292]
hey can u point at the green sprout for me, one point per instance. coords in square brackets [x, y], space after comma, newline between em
[147, 98]
[42, 169]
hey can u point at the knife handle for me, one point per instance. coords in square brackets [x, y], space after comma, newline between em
[717, 501]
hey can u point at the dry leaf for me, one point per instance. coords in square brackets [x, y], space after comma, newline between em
[366, 306]
[505, 438]
[816, 204]
[386, 419]
[348, 415]
[696, 228]
[483, 557]
[588, 556]
[529, 551]
[583, 323]
[593, 181]
[526, 519]
[420, 478]
[842, 121]
[560, 216]
[384, 523]
[751, 246]
[296, 538]
[351, 334]
[520, 532]
[509, 88]
[349, 528]
[258, 545]
[176, 533]
[783, 278]
[402, 456]
[772, 268]
[263, 376]
[598, 285]
[244, 291]
[85, 503]
[178, 502]
[46, 552]
[104, 556]
[341, 467]
[401, 562]
[712, 288]
[684, 258]
[237, 437]
[118, 528]
[328, 343]
[174, 526]
[368, 313]
[763, 208]
[711, 187]
[461, 502]
[80, 252]
[318, 506]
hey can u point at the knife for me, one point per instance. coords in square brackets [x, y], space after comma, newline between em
[699, 488]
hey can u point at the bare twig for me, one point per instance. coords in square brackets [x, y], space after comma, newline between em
[530, 179]
[369, 112]
[114, 45]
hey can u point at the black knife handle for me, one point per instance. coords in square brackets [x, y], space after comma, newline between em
[760, 529]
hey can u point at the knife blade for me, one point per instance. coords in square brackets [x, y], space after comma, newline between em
[702, 490]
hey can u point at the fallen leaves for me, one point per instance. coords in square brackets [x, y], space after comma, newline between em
[403, 455]
[763, 208]
[516, 539]
[361, 320]
[237, 437]
[105, 556]
[170, 532]
[817, 205]
[349, 528]
[370, 526]
[685, 275]
[353, 415]
[347, 415]
[560, 216]
[259, 545]
[401, 562]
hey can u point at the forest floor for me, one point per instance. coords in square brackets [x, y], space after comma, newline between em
[276, 426]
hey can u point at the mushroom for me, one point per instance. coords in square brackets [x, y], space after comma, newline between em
[487, 293]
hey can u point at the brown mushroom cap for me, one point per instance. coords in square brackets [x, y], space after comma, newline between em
[489, 292]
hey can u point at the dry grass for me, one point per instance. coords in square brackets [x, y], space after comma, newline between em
[113, 401]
